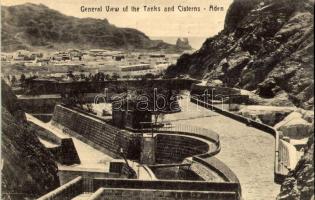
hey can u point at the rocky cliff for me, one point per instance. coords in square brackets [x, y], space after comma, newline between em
[266, 47]
[28, 170]
[299, 184]
[32, 26]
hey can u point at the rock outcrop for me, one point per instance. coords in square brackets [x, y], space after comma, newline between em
[269, 115]
[266, 46]
[183, 43]
[299, 184]
[294, 126]
[28, 170]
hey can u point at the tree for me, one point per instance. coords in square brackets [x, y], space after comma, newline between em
[22, 78]
[82, 75]
[70, 75]
[115, 76]
[13, 80]
[149, 76]
[107, 76]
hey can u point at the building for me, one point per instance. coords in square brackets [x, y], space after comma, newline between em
[136, 67]
[61, 56]
[126, 115]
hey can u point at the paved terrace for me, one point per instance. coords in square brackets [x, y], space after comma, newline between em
[245, 150]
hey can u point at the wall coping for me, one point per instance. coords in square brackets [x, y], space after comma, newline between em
[60, 189]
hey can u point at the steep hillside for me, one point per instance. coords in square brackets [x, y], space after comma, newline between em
[29, 26]
[28, 170]
[266, 46]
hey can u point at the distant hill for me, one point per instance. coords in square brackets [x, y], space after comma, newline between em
[31, 26]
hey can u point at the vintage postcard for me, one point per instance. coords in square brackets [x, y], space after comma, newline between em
[157, 99]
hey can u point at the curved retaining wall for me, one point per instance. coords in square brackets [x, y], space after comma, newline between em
[279, 174]
[186, 144]
[175, 148]
[219, 167]
[182, 130]
[197, 150]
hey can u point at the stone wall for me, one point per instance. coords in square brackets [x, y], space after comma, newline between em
[67, 174]
[65, 152]
[175, 148]
[225, 91]
[54, 87]
[166, 185]
[97, 133]
[67, 191]
[288, 156]
[134, 194]
[39, 104]
[114, 189]
[215, 165]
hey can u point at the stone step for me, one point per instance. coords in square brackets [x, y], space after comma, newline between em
[83, 196]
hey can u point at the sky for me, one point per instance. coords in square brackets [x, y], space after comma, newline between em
[157, 24]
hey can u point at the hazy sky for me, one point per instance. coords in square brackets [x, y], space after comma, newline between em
[184, 24]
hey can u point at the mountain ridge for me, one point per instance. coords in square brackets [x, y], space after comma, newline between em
[31, 26]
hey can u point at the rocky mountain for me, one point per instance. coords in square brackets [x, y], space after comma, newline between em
[183, 43]
[266, 47]
[30, 26]
[299, 184]
[27, 169]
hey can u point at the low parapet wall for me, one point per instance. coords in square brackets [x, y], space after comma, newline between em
[278, 173]
[67, 174]
[219, 167]
[113, 189]
[287, 156]
[135, 194]
[165, 185]
[97, 133]
[175, 148]
[67, 191]
[39, 103]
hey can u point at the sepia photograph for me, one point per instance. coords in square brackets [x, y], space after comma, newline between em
[157, 100]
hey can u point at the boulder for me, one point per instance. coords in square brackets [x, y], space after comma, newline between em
[269, 115]
[215, 83]
[294, 126]
[308, 115]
